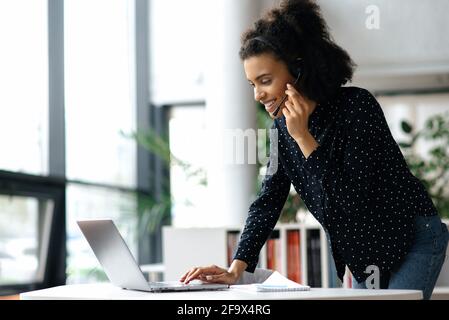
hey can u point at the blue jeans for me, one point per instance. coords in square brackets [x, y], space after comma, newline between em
[422, 265]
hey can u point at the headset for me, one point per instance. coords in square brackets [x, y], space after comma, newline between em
[294, 67]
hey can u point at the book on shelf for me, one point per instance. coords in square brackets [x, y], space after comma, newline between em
[313, 258]
[293, 255]
[274, 259]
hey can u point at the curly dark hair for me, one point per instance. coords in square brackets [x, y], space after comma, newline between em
[297, 29]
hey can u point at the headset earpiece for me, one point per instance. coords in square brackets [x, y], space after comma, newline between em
[295, 68]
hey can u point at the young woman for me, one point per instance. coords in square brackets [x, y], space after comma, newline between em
[335, 147]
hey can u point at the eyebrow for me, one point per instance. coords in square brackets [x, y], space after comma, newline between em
[260, 76]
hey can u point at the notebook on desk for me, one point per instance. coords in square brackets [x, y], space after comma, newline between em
[119, 264]
[276, 282]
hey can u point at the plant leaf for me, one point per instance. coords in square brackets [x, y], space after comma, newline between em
[406, 127]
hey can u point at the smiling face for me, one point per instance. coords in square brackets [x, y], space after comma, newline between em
[269, 77]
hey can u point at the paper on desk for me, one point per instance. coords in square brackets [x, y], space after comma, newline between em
[275, 282]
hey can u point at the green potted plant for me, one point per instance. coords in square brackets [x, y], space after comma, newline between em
[153, 210]
[432, 168]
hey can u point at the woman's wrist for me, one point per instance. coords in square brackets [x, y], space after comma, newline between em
[307, 144]
[237, 268]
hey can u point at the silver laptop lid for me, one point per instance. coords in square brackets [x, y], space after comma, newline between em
[113, 254]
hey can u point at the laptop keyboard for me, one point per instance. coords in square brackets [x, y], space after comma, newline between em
[174, 283]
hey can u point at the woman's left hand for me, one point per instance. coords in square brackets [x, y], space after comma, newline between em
[297, 111]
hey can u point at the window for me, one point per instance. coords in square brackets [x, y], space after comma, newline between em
[91, 76]
[100, 104]
[178, 52]
[24, 86]
[24, 227]
[99, 91]
[31, 244]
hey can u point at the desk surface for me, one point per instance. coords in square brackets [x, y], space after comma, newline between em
[106, 291]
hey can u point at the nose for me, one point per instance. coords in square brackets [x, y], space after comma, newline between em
[258, 94]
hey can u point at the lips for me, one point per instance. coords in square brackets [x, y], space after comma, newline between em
[270, 106]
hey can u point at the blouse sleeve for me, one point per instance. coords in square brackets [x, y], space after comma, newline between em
[364, 132]
[263, 213]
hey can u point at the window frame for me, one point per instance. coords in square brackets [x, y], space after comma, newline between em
[41, 188]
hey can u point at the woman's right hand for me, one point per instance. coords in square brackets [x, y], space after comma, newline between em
[212, 274]
[215, 274]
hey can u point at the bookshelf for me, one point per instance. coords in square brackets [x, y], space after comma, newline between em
[302, 254]
[299, 251]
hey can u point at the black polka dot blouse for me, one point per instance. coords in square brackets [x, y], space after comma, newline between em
[356, 183]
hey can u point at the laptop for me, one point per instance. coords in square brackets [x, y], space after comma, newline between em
[119, 264]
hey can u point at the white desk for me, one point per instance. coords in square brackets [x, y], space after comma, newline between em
[440, 293]
[106, 291]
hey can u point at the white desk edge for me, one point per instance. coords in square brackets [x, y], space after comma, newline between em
[106, 291]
